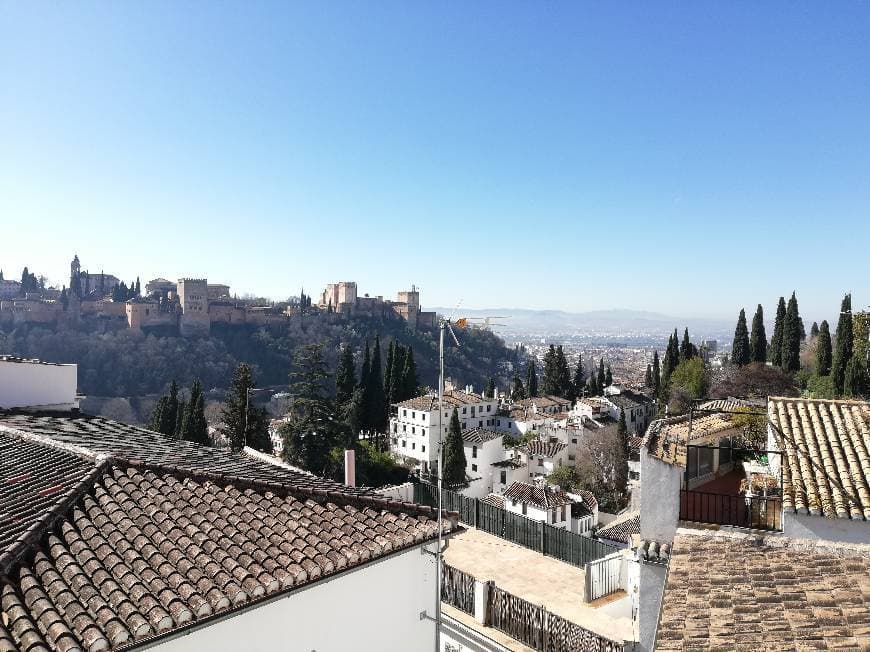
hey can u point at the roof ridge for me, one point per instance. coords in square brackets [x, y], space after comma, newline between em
[46, 440]
[374, 501]
[45, 521]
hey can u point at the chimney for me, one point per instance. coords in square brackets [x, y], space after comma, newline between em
[349, 468]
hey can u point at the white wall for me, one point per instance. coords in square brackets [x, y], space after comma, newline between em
[805, 526]
[374, 608]
[31, 384]
[659, 498]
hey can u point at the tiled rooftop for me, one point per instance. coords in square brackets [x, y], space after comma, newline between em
[454, 398]
[666, 439]
[729, 591]
[621, 528]
[99, 551]
[545, 448]
[826, 456]
[538, 495]
[480, 435]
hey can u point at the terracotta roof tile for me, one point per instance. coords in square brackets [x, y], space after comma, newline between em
[826, 456]
[542, 496]
[621, 528]
[544, 448]
[480, 435]
[768, 593]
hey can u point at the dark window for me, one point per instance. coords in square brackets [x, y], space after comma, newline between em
[524, 509]
[423, 448]
[503, 477]
[725, 451]
[474, 451]
[463, 410]
[474, 467]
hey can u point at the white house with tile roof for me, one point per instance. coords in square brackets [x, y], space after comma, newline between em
[483, 448]
[414, 424]
[541, 502]
[543, 457]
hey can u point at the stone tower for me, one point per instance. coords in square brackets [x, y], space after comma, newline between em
[74, 295]
[193, 298]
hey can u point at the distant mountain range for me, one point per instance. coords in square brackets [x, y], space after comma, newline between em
[602, 322]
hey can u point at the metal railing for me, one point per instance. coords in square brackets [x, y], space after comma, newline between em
[757, 512]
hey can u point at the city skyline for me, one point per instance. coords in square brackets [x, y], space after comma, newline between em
[681, 161]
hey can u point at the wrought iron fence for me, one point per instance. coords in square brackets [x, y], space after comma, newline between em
[457, 589]
[555, 542]
[758, 512]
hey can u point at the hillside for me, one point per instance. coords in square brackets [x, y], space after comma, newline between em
[124, 363]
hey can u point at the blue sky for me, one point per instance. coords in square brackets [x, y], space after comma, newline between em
[689, 158]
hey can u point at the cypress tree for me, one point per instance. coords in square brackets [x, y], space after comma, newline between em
[179, 418]
[518, 392]
[388, 372]
[824, 353]
[377, 402]
[775, 349]
[579, 382]
[647, 380]
[601, 380]
[758, 340]
[551, 380]
[621, 461]
[801, 329]
[396, 393]
[169, 413]
[453, 460]
[843, 346]
[563, 373]
[410, 382]
[157, 415]
[608, 377]
[685, 346]
[854, 380]
[236, 411]
[814, 331]
[740, 348]
[531, 379]
[365, 415]
[675, 351]
[345, 376]
[592, 386]
[489, 392]
[194, 426]
[656, 374]
[791, 338]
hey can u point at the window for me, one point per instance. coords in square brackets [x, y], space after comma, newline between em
[474, 451]
[563, 513]
[725, 451]
[413, 446]
[503, 477]
[480, 424]
[553, 517]
[423, 416]
[472, 410]
[463, 410]
[540, 461]
[413, 430]
[404, 444]
[404, 413]
[574, 440]
[423, 448]
[488, 408]
[498, 422]
[464, 425]
[413, 415]
[474, 467]
[404, 428]
[524, 509]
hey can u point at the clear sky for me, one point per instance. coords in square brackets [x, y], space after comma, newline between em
[689, 158]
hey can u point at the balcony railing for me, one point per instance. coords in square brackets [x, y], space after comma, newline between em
[757, 512]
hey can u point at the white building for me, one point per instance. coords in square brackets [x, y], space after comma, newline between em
[508, 471]
[543, 457]
[553, 506]
[639, 408]
[37, 385]
[483, 448]
[414, 424]
[533, 414]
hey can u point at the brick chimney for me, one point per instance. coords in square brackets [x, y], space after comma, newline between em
[350, 468]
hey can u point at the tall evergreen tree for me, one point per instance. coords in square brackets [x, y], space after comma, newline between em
[843, 346]
[601, 380]
[388, 373]
[758, 339]
[855, 379]
[138, 288]
[801, 329]
[563, 373]
[410, 381]
[740, 348]
[648, 380]
[550, 383]
[364, 385]
[489, 392]
[314, 429]
[194, 427]
[579, 378]
[775, 349]
[656, 375]
[620, 464]
[608, 376]
[179, 418]
[170, 418]
[453, 455]
[345, 375]
[531, 379]
[685, 346]
[824, 353]
[592, 388]
[397, 375]
[378, 404]
[237, 411]
[814, 331]
[675, 351]
[518, 392]
[791, 338]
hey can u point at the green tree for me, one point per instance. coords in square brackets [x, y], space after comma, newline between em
[489, 392]
[758, 339]
[518, 392]
[194, 426]
[388, 374]
[236, 411]
[579, 378]
[179, 418]
[823, 350]
[365, 370]
[686, 346]
[844, 345]
[855, 379]
[563, 373]
[601, 380]
[691, 377]
[791, 337]
[814, 331]
[740, 349]
[656, 374]
[775, 349]
[608, 376]
[377, 408]
[551, 375]
[453, 460]
[345, 376]
[592, 388]
[621, 463]
[410, 382]
[313, 429]
[531, 379]
[396, 392]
